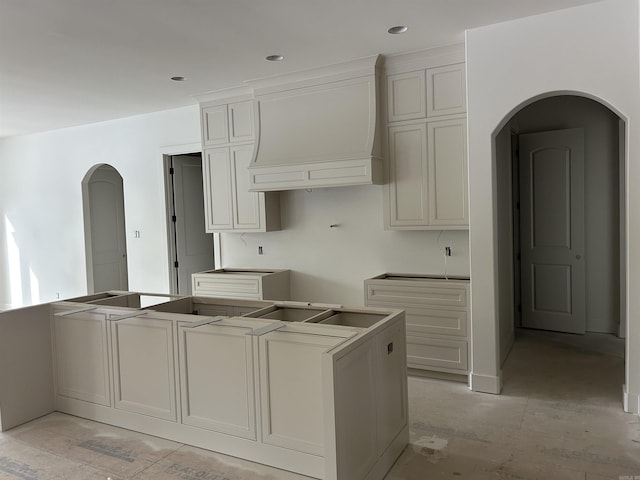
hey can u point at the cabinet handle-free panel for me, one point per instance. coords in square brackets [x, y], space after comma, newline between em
[82, 357]
[217, 190]
[448, 172]
[143, 364]
[217, 379]
[437, 354]
[291, 383]
[408, 175]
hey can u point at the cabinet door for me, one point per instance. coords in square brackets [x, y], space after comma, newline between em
[217, 190]
[217, 379]
[241, 122]
[214, 126]
[291, 389]
[143, 365]
[446, 90]
[406, 96]
[448, 172]
[248, 207]
[408, 176]
[82, 357]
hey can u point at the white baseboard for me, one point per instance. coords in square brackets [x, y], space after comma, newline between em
[485, 383]
[631, 402]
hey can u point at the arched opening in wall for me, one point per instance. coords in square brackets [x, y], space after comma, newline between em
[104, 229]
[560, 225]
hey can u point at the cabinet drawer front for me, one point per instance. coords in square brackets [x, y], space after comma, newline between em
[439, 322]
[439, 354]
[245, 287]
[402, 294]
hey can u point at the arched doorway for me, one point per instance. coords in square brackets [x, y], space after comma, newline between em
[568, 204]
[104, 228]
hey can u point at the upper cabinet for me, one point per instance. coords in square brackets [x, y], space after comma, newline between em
[427, 145]
[232, 123]
[446, 90]
[228, 142]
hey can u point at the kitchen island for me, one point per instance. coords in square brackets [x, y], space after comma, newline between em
[320, 390]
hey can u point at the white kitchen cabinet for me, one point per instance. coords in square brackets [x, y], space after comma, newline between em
[227, 123]
[437, 316]
[408, 176]
[217, 377]
[448, 177]
[241, 122]
[81, 353]
[427, 93]
[216, 171]
[144, 366]
[215, 129]
[406, 96]
[292, 390]
[229, 206]
[428, 175]
[446, 90]
[242, 283]
[427, 144]
[314, 389]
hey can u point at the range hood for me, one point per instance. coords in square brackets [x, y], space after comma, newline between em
[317, 128]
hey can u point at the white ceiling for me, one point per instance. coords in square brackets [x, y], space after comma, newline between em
[72, 62]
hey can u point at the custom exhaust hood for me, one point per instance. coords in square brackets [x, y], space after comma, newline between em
[317, 128]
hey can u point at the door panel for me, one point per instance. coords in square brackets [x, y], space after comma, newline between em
[217, 189]
[552, 230]
[194, 246]
[247, 204]
[107, 230]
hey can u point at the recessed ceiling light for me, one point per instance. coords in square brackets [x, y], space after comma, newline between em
[275, 58]
[178, 79]
[397, 30]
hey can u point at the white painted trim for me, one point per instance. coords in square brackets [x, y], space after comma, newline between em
[422, 59]
[225, 95]
[485, 383]
[180, 149]
[315, 76]
[217, 250]
[631, 402]
[165, 152]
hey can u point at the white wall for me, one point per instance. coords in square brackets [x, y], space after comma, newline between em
[40, 194]
[592, 49]
[330, 264]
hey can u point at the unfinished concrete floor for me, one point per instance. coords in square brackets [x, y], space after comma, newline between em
[559, 417]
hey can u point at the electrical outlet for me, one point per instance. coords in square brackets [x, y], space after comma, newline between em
[447, 251]
[260, 252]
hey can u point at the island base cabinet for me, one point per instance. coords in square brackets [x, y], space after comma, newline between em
[328, 401]
[143, 364]
[81, 353]
[371, 434]
[292, 389]
[217, 379]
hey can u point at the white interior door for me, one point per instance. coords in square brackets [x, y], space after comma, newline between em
[106, 245]
[552, 230]
[193, 246]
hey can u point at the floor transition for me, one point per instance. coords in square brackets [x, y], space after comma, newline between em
[559, 417]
